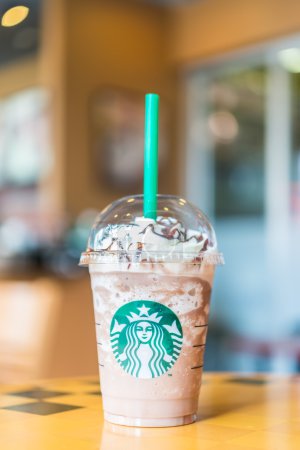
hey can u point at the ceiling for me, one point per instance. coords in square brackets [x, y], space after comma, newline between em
[168, 2]
[23, 39]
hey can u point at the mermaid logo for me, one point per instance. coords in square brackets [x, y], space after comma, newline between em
[146, 338]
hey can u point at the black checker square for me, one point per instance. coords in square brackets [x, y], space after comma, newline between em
[42, 408]
[95, 393]
[246, 380]
[38, 394]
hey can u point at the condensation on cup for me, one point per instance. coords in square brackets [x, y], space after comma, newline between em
[151, 282]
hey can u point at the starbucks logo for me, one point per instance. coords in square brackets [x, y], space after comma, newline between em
[146, 338]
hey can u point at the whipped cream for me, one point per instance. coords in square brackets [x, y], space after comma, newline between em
[163, 235]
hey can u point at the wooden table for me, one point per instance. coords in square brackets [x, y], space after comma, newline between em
[235, 413]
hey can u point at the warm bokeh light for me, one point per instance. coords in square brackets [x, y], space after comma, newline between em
[223, 125]
[14, 16]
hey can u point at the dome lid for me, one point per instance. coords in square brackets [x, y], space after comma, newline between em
[180, 232]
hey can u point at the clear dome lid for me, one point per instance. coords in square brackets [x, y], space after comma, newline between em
[180, 232]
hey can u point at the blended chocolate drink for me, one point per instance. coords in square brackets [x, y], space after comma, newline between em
[151, 282]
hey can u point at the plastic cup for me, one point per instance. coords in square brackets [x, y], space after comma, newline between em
[151, 283]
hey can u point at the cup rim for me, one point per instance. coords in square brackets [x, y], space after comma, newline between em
[109, 257]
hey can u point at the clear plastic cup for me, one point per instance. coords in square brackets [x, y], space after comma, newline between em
[151, 283]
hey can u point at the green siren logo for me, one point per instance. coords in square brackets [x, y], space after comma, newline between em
[146, 338]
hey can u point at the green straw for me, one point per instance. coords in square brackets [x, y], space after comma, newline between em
[151, 156]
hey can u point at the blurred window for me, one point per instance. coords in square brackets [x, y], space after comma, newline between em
[24, 145]
[236, 124]
[25, 161]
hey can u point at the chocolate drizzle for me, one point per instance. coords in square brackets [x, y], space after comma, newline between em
[175, 231]
[135, 239]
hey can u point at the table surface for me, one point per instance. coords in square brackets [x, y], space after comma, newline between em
[236, 412]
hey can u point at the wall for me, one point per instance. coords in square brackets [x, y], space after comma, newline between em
[19, 75]
[109, 43]
[201, 29]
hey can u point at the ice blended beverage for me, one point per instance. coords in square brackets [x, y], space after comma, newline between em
[151, 260]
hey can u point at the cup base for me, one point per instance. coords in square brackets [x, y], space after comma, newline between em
[162, 422]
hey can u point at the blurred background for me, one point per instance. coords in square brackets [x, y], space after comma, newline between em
[73, 75]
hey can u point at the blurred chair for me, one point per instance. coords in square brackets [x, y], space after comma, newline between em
[279, 356]
[46, 329]
[28, 314]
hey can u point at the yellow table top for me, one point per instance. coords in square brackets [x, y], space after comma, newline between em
[235, 413]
